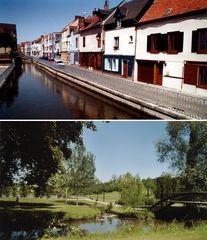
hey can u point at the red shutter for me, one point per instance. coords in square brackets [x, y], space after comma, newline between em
[163, 42]
[195, 41]
[149, 43]
[191, 74]
[180, 41]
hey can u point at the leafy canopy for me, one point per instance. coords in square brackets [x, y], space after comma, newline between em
[31, 151]
[185, 148]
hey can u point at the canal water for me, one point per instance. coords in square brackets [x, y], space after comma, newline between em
[34, 94]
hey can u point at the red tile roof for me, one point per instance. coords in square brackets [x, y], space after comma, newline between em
[167, 8]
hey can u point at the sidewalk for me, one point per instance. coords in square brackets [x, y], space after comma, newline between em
[5, 71]
[185, 106]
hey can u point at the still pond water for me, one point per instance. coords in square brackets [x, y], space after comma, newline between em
[34, 94]
[104, 225]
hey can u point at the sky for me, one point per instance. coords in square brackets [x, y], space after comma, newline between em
[126, 146]
[37, 17]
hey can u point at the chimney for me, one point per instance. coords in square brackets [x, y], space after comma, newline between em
[106, 6]
[94, 12]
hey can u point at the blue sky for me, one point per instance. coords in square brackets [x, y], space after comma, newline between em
[36, 17]
[126, 146]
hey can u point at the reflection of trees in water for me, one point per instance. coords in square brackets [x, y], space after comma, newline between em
[11, 89]
[16, 224]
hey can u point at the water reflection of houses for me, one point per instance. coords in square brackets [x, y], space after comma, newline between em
[78, 101]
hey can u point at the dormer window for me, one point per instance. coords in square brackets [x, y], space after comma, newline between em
[98, 38]
[116, 43]
[118, 23]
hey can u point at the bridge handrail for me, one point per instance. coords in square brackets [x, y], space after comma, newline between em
[175, 196]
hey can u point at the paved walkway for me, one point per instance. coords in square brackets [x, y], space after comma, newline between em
[5, 71]
[188, 106]
[3, 68]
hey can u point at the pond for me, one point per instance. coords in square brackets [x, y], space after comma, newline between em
[106, 224]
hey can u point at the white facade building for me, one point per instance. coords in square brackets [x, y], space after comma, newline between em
[73, 43]
[120, 37]
[165, 55]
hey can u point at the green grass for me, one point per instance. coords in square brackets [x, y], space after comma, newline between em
[109, 197]
[71, 212]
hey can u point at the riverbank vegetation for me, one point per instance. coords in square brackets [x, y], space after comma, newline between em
[173, 231]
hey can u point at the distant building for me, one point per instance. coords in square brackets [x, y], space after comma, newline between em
[8, 39]
[57, 45]
[64, 44]
[92, 43]
[36, 48]
[73, 39]
[28, 48]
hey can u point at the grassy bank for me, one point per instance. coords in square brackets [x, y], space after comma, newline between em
[50, 206]
[173, 231]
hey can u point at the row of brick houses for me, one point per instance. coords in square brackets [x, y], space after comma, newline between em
[160, 42]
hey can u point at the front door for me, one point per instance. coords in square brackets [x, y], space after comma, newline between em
[158, 73]
[125, 69]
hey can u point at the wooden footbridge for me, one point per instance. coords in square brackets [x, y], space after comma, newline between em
[188, 205]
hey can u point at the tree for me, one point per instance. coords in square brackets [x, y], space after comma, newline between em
[151, 188]
[132, 191]
[164, 185]
[80, 170]
[32, 151]
[185, 148]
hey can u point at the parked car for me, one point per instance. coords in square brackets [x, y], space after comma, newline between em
[58, 61]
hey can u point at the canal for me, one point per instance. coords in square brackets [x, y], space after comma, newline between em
[34, 94]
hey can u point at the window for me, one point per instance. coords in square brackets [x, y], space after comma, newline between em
[116, 43]
[130, 39]
[203, 76]
[171, 43]
[153, 42]
[98, 38]
[196, 74]
[118, 23]
[84, 41]
[199, 41]
[115, 65]
[76, 42]
[112, 64]
[175, 42]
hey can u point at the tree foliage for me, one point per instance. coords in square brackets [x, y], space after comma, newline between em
[75, 176]
[80, 170]
[132, 190]
[185, 148]
[33, 150]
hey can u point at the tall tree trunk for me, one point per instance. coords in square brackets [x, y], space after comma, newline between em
[192, 153]
[103, 196]
[66, 195]
[77, 200]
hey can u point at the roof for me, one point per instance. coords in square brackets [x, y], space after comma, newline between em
[128, 10]
[162, 9]
[97, 18]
